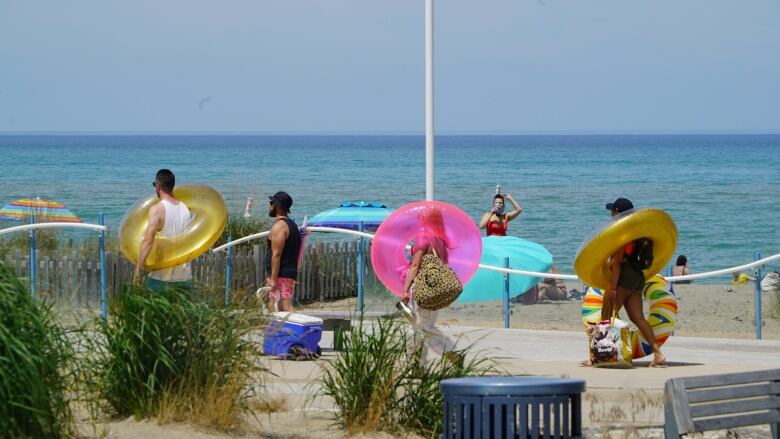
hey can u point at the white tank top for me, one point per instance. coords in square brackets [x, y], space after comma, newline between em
[177, 218]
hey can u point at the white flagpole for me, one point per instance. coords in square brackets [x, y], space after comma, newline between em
[429, 174]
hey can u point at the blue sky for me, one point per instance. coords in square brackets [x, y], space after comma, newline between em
[356, 66]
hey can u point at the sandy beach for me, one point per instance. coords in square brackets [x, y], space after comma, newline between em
[703, 311]
[706, 310]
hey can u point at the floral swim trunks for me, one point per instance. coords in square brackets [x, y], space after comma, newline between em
[284, 286]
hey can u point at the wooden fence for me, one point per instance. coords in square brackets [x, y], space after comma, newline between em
[69, 276]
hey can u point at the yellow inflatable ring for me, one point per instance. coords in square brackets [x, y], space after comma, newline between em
[591, 262]
[662, 318]
[209, 217]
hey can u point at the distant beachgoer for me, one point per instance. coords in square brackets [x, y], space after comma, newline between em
[552, 289]
[169, 217]
[281, 261]
[626, 290]
[497, 220]
[681, 269]
[428, 241]
[250, 202]
[738, 278]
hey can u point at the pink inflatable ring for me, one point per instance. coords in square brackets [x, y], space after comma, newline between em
[433, 219]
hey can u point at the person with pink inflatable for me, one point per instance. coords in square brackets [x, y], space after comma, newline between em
[431, 227]
[430, 240]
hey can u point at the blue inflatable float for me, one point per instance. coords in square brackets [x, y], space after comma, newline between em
[487, 285]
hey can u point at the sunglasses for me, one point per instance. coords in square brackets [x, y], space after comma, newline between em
[154, 184]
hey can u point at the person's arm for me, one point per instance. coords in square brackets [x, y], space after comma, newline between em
[518, 208]
[279, 234]
[614, 268]
[414, 268]
[608, 306]
[156, 219]
[485, 219]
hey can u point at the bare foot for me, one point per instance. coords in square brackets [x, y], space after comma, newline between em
[586, 363]
[658, 360]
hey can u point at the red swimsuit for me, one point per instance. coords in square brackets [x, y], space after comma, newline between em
[496, 229]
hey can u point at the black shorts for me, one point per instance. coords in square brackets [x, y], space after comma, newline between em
[631, 278]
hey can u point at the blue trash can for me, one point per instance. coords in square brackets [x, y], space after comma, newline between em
[512, 407]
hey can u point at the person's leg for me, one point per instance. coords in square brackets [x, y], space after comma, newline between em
[286, 288]
[636, 314]
[436, 340]
[621, 296]
[417, 339]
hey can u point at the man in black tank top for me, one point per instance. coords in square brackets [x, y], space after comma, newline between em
[281, 259]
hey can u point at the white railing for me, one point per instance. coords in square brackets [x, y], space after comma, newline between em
[95, 227]
[573, 277]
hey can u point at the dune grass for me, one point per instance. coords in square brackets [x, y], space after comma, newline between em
[165, 356]
[36, 366]
[239, 226]
[377, 384]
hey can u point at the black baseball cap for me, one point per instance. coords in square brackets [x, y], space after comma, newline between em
[282, 199]
[621, 205]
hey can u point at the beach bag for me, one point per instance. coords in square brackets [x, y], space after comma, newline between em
[770, 282]
[436, 284]
[642, 256]
[609, 344]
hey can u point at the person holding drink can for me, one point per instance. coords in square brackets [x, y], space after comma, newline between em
[496, 221]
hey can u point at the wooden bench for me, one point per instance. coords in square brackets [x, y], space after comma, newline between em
[719, 402]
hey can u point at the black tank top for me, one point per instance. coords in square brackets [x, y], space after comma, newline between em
[289, 265]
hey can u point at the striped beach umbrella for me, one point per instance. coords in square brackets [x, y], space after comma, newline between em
[43, 210]
[350, 214]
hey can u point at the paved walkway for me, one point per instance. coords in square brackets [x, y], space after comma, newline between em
[622, 398]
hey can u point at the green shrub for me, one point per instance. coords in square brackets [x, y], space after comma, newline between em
[377, 384]
[45, 240]
[168, 357]
[35, 366]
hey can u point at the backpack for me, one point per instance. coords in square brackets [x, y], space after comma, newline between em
[642, 256]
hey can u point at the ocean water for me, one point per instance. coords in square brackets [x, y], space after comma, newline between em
[723, 191]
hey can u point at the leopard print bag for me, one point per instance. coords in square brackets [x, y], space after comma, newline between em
[436, 284]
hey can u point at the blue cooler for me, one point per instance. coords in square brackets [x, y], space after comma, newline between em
[292, 335]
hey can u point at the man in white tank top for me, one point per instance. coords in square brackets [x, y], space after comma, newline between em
[169, 217]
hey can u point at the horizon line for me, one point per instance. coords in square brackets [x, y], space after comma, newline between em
[398, 133]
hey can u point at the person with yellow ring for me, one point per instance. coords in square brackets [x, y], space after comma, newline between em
[627, 283]
[169, 217]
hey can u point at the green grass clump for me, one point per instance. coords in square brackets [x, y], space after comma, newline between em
[379, 384]
[166, 356]
[35, 366]
[45, 240]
